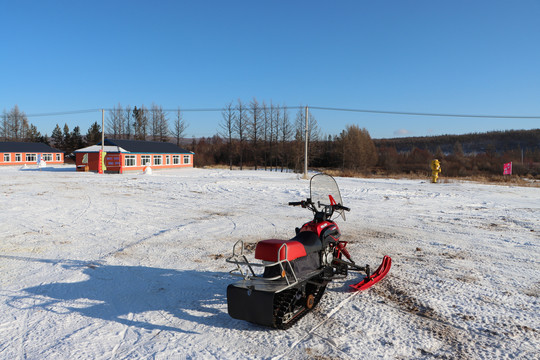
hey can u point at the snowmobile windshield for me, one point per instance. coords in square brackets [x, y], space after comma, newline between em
[325, 191]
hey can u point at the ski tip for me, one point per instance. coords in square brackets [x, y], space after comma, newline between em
[377, 276]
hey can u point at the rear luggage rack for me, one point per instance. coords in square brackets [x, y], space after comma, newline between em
[244, 267]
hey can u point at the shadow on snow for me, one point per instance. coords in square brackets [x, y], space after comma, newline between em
[122, 293]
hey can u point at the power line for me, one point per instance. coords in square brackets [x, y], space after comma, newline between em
[427, 114]
[63, 113]
[407, 113]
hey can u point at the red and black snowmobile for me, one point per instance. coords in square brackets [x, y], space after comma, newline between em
[296, 271]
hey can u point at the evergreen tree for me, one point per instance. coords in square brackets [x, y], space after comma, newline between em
[76, 139]
[93, 136]
[66, 138]
[33, 135]
[57, 137]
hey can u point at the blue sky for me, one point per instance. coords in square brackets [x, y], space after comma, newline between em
[458, 57]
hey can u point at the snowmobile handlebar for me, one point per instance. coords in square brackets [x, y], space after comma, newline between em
[306, 203]
[297, 203]
[341, 207]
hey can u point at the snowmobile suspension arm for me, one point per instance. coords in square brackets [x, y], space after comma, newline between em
[352, 266]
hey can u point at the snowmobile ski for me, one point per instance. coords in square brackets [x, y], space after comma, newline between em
[377, 276]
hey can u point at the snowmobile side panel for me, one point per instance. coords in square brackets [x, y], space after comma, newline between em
[303, 267]
[251, 305]
[310, 240]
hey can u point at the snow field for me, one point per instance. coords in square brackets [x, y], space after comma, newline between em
[133, 266]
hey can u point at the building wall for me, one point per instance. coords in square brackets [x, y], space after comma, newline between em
[92, 164]
[11, 158]
[184, 161]
[121, 162]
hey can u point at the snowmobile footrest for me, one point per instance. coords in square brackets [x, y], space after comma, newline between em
[251, 305]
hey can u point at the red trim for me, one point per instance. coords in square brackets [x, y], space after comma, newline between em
[332, 201]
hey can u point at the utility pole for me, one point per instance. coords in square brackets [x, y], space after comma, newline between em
[100, 160]
[306, 145]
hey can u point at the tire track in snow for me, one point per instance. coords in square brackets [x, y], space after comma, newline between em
[23, 333]
[458, 341]
[122, 337]
[146, 238]
[24, 329]
[311, 333]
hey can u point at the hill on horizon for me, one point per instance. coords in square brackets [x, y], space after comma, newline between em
[474, 143]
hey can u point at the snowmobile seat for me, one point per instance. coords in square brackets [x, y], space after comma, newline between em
[302, 244]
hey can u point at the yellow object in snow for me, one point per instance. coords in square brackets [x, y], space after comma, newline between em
[103, 166]
[435, 170]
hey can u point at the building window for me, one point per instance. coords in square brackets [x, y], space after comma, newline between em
[31, 157]
[158, 160]
[130, 160]
[187, 159]
[18, 157]
[7, 157]
[145, 160]
[168, 160]
[47, 157]
[58, 157]
[176, 159]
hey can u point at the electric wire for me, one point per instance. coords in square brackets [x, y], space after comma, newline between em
[60, 113]
[428, 114]
[369, 111]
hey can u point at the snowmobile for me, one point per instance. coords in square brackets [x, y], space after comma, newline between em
[295, 272]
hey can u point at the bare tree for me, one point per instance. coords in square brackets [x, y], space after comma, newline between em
[127, 122]
[227, 128]
[159, 125]
[300, 124]
[240, 128]
[15, 125]
[114, 124]
[180, 127]
[286, 132]
[275, 125]
[140, 122]
[359, 151]
[4, 127]
[267, 137]
[254, 128]
[154, 122]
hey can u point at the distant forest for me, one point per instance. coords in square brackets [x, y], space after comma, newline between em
[464, 155]
[257, 135]
[353, 152]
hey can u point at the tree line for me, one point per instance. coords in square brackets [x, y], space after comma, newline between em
[262, 135]
[254, 134]
[266, 135]
[145, 124]
[122, 123]
[15, 127]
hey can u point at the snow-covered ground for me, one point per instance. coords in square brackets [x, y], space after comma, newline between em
[133, 267]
